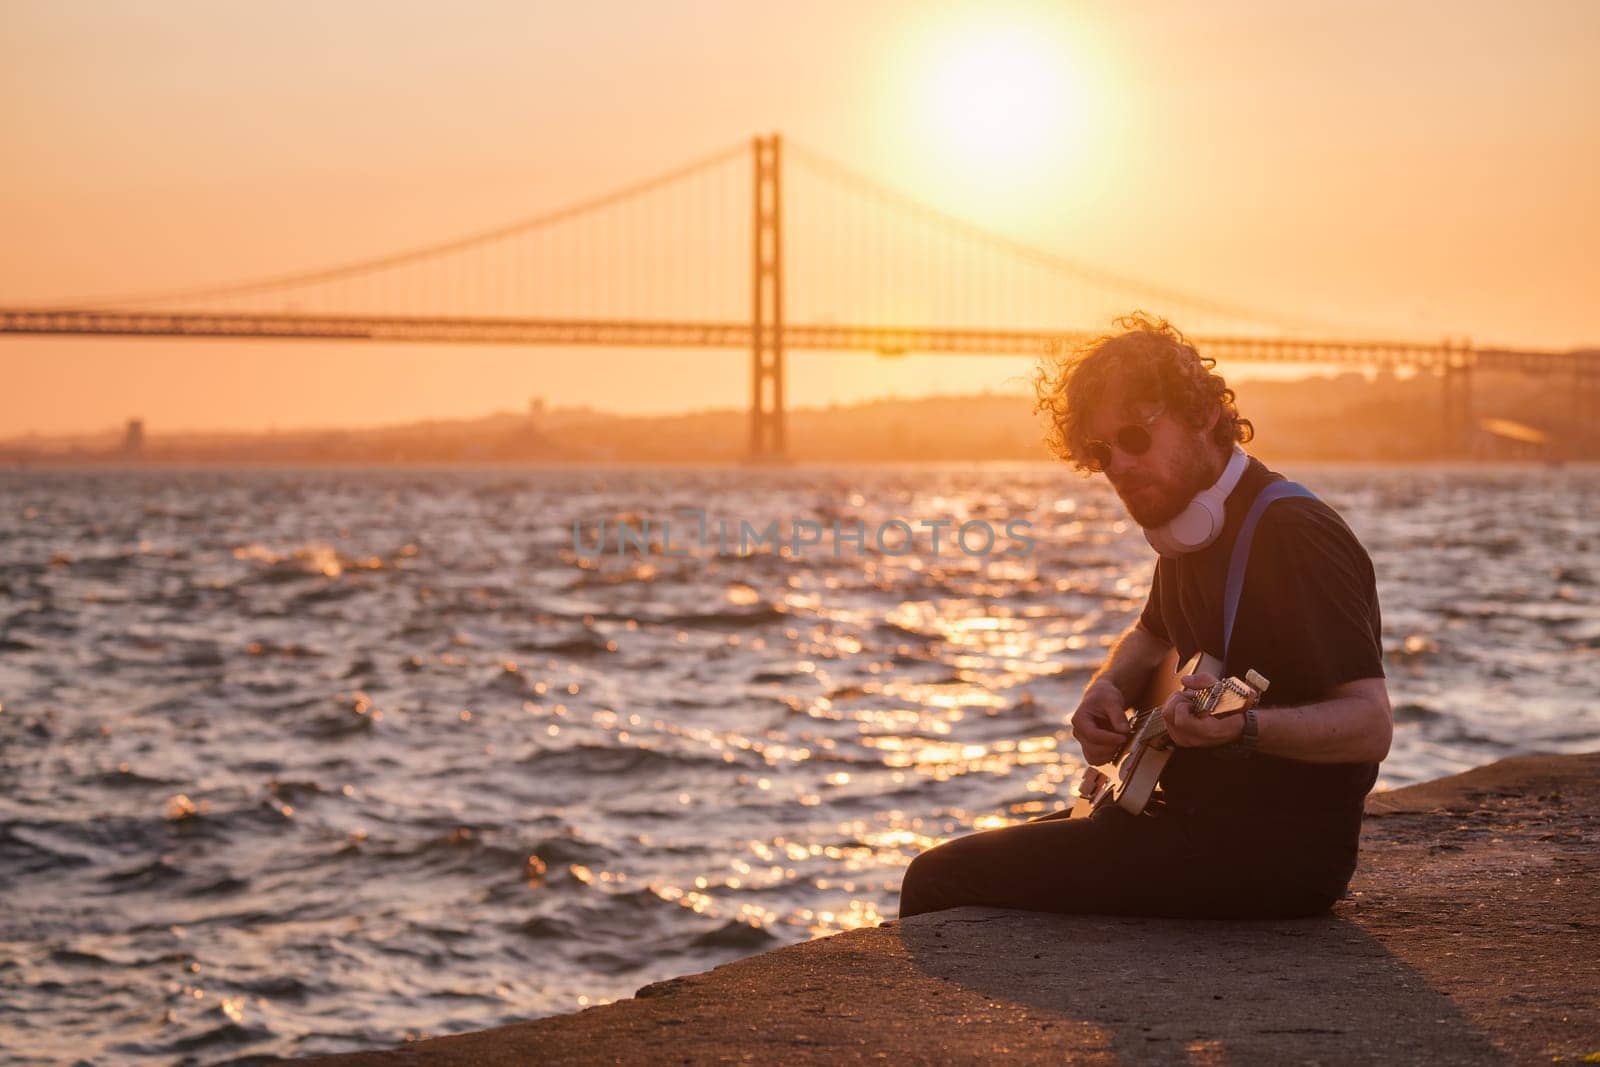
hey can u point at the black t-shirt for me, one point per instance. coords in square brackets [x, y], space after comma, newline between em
[1307, 620]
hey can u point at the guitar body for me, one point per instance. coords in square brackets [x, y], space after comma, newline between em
[1139, 777]
[1146, 762]
[1163, 682]
[1137, 768]
[1100, 787]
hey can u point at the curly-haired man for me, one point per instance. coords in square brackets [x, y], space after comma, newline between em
[1257, 815]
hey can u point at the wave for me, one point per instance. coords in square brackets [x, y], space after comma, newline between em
[609, 760]
[587, 642]
[735, 934]
[1411, 711]
[547, 928]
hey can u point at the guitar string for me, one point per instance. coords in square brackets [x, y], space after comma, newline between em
[1207, 704]
[1143, 718]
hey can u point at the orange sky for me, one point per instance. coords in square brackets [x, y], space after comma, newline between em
[1411, 169]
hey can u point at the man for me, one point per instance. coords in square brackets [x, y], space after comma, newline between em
[1252, 819]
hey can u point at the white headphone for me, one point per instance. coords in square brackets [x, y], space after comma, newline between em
[1200, 523]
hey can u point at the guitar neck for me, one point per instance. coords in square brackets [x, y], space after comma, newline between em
[1151, 725]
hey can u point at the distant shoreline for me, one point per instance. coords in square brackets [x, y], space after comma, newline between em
[1344, 419]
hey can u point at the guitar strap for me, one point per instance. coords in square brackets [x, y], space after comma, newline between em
[1240, 560]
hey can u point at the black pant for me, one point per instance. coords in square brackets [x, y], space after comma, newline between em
[1168, 863]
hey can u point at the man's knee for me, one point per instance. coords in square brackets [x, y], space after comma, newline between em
[924, 886]
[1305, 900]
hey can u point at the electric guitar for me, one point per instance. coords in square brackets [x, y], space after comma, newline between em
[1142, 758]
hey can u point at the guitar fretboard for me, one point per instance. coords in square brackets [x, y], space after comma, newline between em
[1149, 725]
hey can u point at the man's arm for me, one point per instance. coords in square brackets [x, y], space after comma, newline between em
[1352, 724]
[1127, 669]
[1100, 724]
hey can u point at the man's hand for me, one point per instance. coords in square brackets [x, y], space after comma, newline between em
[1190, 728]
[1100, 725]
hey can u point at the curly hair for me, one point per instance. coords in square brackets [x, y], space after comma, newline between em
[1154, 362]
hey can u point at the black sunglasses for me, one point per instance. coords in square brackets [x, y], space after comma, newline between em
[1134, 439]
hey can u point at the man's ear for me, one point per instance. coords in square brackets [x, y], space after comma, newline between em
[1211, 423]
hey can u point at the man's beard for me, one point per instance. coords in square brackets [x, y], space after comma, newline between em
[1155, 507]
[1157, 503]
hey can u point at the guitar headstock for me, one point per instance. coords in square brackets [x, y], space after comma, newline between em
[1233, 696]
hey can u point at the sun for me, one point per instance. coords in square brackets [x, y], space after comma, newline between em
[1001, 96]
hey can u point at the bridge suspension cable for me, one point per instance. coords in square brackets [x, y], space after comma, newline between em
[1047, 290]
[347, 271]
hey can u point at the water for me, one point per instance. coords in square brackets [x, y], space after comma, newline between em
[306, 761]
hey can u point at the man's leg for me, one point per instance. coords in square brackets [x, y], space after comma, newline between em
[1116, 863]
[1112, 863]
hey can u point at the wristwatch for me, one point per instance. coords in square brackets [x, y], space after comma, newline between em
[1243, 746]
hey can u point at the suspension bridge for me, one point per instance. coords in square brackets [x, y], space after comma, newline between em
[768, 247]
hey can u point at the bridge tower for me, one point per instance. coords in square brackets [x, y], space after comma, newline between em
[1585, 394]
[1456, 359]
[767, 443]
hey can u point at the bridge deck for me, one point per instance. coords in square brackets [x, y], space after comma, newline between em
[886, 340]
